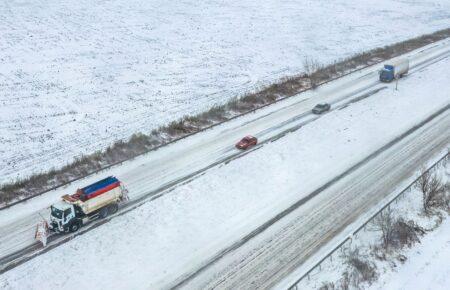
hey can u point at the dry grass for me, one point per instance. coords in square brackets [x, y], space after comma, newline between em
[359, 271]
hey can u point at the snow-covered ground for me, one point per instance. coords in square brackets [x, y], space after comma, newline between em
[426, 263]
[427, 267]
[76, 76]
[160, 240]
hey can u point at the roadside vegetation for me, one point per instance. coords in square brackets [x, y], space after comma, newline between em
[140, 143]
[394, 230]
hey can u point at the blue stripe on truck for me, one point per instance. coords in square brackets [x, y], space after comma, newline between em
[90, 189]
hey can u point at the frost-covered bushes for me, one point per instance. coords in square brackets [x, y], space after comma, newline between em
[435, 193]
[405, 233]
[359, 270]
[315, 71]
[384, 223]
[394, 231]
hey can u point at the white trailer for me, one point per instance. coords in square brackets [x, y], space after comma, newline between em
[394, 70]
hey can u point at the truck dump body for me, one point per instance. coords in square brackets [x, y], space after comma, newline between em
[101, 200]
[100, 187]
[96, 195]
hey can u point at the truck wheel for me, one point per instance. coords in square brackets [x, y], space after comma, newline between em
[74, 227]
[113, 208]
[103, 213]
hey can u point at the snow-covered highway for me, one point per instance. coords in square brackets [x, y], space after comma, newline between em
[148, 175]
[300, 231]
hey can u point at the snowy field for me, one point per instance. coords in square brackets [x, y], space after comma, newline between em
[152, 245]
[76, 76]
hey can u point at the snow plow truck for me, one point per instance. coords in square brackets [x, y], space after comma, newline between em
[97, 200]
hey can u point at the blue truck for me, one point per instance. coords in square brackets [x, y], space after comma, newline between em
[394, 70]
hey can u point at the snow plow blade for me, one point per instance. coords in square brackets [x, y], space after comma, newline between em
[42, 232]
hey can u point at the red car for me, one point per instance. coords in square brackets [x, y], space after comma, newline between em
[247, 142]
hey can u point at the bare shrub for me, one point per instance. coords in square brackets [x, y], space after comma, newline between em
[136, 140]
[405, 233]
[216, 113]
[395, 233]
[310, 65]
[313, 71]
[327, 286]
[384, 222]
[254, 99]
[447, 196]
[270, 98]
[359, 270]
[176, 127]
[433, 192]
[344, 282]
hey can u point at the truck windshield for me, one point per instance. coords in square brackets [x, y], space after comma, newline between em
[67, 212]
[385, 73]
[56, 212]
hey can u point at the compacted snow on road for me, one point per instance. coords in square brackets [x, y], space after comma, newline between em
[76, 76]
[174, 235]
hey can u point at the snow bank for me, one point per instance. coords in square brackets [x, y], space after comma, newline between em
[77, 76]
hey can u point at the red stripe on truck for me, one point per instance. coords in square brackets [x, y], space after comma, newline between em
[103, 190]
